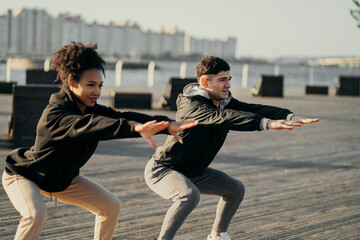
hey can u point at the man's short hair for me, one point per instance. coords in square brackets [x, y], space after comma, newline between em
[211, 65]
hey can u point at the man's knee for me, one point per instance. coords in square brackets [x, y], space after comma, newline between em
[236, 193]
[191, 197]
[240, 191]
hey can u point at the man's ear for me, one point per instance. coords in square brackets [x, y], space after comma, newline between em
[203, 82]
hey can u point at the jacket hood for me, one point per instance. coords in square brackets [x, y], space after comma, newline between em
[193, 89]
[66, 97]
[62, 97]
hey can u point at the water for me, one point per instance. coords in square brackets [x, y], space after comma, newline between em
[295, 75]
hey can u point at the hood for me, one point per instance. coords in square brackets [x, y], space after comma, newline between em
[193, 89]
[66, 97]
[61, 97]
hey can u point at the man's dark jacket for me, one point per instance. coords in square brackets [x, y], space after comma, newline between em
[202, 143]
[66, 139]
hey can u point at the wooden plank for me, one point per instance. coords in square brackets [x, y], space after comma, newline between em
[300, 184]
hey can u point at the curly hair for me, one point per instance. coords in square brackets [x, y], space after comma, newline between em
[75, 58]
[211, 65]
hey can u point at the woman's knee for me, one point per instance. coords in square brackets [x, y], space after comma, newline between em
[36, 218]
[116, 205]
[113, 206]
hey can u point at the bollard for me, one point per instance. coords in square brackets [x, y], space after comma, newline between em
[118, 73]
[8, 70]
[151, 73]
[311, 76]
[47, 64]
[277, 70]
[245, 71]
[183, 70]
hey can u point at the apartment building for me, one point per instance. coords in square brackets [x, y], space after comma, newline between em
[34, 32]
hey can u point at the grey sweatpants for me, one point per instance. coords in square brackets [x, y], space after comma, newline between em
[185, 193]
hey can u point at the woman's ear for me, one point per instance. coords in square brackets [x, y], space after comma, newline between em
[203, 82]
[71, 81]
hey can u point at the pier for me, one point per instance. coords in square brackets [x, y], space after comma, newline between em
[300, 184]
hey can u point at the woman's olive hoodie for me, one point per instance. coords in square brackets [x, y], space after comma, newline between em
[201, 143]
[66, 139]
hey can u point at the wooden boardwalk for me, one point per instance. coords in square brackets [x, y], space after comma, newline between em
[301, 184]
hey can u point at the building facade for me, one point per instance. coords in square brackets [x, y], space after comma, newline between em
[33, 32]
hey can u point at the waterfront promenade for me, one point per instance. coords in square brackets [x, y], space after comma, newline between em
[300, 184]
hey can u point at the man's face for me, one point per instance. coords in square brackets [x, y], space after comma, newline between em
[218, 86]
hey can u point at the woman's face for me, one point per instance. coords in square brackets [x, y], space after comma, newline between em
[88, 89]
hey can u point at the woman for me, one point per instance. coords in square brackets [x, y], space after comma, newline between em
[67, 135]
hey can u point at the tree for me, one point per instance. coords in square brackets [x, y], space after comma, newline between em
[356, 12]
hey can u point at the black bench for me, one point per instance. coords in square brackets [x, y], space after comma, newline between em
[7, 87]
[39, 76]
[316, 89]
[174, 87]
[130, 100]
[268, 86]
[348, 86]
[29, 102]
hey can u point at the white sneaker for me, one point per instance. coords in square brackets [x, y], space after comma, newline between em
[223, 236]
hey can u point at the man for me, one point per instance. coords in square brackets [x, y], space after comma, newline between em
[179, 171]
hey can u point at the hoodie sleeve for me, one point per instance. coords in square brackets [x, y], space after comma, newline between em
[132, 116]
[208, 115]
[263, 110]
[65, 125]
[102, 124]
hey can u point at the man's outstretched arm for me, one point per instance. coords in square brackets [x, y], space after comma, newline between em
[304, 120]
[295, 121]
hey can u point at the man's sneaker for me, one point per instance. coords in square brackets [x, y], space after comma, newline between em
[223, 236]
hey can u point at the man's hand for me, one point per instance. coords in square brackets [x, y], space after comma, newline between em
[303, 120]
[150, 128]
[175, 127]
[282, 124]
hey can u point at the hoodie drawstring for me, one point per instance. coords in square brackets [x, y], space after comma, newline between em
[55, 199]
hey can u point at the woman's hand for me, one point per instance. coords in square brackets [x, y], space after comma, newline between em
[150, 128]
[303, 120]
[175, 127]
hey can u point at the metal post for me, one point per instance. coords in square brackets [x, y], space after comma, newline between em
[245, 71]
[277, 70]
[151, 73]
[8, 70]
[311, 76]
[118, 73]
[183, 70]
[47, 64]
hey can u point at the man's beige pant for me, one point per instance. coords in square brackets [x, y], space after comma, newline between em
[27, 198]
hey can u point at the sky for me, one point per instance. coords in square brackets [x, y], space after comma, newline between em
[263, 28]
